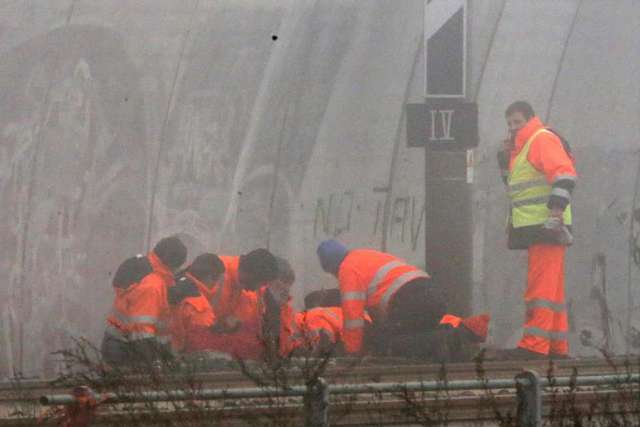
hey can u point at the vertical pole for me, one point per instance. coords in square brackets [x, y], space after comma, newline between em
[529, 395]
[449, 224]
[317, 404]
[428, 209]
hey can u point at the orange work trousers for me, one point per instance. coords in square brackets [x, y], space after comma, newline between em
[546, 322]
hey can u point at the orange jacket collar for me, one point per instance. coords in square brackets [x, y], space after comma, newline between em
[204, 290]
[525, 133]
[158, 266]
[199, 304]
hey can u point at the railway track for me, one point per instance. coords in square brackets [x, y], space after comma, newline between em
[23, 395]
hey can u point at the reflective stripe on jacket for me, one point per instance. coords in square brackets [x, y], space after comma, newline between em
[368, 279]
[136, 310]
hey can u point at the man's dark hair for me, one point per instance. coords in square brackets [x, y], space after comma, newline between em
[206, 265]
[260, 265]
[520, 107]
[171, 251]
[285, 272]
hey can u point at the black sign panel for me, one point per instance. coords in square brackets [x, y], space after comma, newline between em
[445, 53]
[446, 124]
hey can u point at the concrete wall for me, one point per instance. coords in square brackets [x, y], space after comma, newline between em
[122, 122]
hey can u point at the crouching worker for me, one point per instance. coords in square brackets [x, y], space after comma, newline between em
[192, 313]
[258, 311]
[136, 331]
[275, 312]
[234, 300]
[463, 336]
[403, 303]
[319, 327]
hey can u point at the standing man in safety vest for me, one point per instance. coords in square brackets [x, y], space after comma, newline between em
[403, 303]
[541, 177]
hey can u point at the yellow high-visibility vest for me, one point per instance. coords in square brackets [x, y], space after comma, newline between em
[529, 191]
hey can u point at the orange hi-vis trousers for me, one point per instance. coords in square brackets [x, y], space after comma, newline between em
[546, 324]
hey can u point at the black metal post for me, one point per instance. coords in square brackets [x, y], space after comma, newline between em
[317, 404]
[529, 393]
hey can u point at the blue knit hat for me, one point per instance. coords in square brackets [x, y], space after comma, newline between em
[331, 253]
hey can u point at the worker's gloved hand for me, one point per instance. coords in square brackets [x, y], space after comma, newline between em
[553, 223]
[559, 232]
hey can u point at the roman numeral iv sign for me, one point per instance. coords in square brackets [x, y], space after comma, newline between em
[441, 125]
[444, 124]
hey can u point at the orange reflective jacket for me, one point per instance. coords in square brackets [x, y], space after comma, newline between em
[310, 323]
[246, 309]
[159, 268]
[225, 297]
[193, 313]
[479, 324]
[249, 309]
[547, 154]
[141, 310]
[287, 328]
[368, 279]
[450, 319]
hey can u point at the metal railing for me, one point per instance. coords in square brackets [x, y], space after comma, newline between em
[529, 386]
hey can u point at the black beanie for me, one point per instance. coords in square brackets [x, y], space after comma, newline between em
[171, 251]
[206, 265]
[260, 264]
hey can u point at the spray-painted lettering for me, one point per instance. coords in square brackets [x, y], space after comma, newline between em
[333, 214]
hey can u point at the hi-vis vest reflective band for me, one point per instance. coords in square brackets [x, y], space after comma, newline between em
[124, 327]
[384, 284]
[529, 191]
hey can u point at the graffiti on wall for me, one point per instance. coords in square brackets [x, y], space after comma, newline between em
[72, 173]
[402, 216]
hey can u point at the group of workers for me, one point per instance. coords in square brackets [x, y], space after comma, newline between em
[241, 305]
